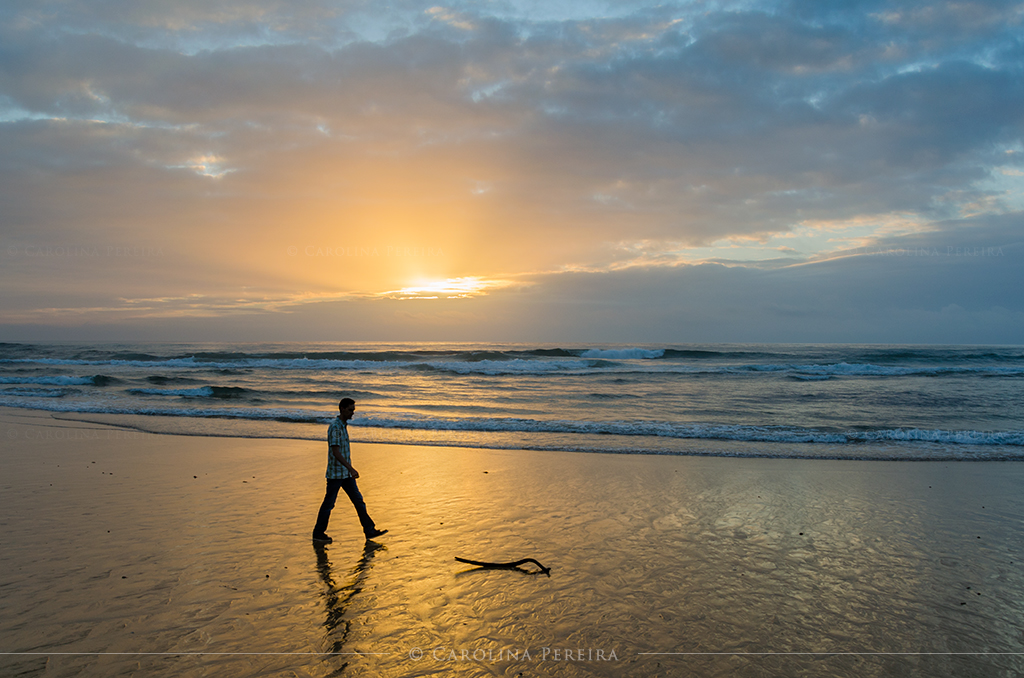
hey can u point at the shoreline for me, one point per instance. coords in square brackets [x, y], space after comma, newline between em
[700, 447]
[138, 543]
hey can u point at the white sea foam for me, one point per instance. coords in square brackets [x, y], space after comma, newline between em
[590, 362]
[509, 367]
[660, 429]
[33, 392]
[491, 367]
[200, 392]
[623, 353]
[245, 413]
[696, 431]
[54, 381]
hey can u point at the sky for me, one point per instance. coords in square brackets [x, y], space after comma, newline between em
[512, 171]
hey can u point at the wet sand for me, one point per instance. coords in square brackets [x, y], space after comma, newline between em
[133, 554]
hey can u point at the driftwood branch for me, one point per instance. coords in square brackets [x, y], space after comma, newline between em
[514, 565]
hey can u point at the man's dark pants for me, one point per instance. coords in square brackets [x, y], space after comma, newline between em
[352, 490]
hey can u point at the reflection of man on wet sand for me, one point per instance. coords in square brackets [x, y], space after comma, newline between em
[342, 476]
[338, 598]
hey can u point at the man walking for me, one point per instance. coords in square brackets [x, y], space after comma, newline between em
[341, 476]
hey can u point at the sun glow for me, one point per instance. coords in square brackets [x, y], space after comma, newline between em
[452, 288]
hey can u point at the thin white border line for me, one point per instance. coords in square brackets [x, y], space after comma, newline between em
[642, 654]
[193, 653]
[838, 653]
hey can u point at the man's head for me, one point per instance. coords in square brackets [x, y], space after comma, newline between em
[347, 407]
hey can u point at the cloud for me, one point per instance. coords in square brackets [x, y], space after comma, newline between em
[516, 140]
[957, 285]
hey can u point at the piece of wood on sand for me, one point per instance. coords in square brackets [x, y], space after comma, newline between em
[514, 565]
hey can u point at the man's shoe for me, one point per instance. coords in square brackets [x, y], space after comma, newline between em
[375, 534]
[322, 539]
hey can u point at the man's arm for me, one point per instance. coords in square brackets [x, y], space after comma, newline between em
[336, 451]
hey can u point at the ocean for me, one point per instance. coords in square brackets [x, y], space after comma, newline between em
[875, 402]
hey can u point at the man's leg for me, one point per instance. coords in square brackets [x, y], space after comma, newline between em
[324, 516]
[352, 490]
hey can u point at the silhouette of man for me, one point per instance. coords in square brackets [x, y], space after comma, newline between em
[342, 476]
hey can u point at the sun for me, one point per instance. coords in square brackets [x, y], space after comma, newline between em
[452, 288]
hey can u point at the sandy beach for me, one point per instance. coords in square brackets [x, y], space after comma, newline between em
[132, 554]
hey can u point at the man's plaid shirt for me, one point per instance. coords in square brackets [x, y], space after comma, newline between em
[337, 434]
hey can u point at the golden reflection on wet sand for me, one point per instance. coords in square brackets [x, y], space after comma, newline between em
[198, 550]
[337, 597]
